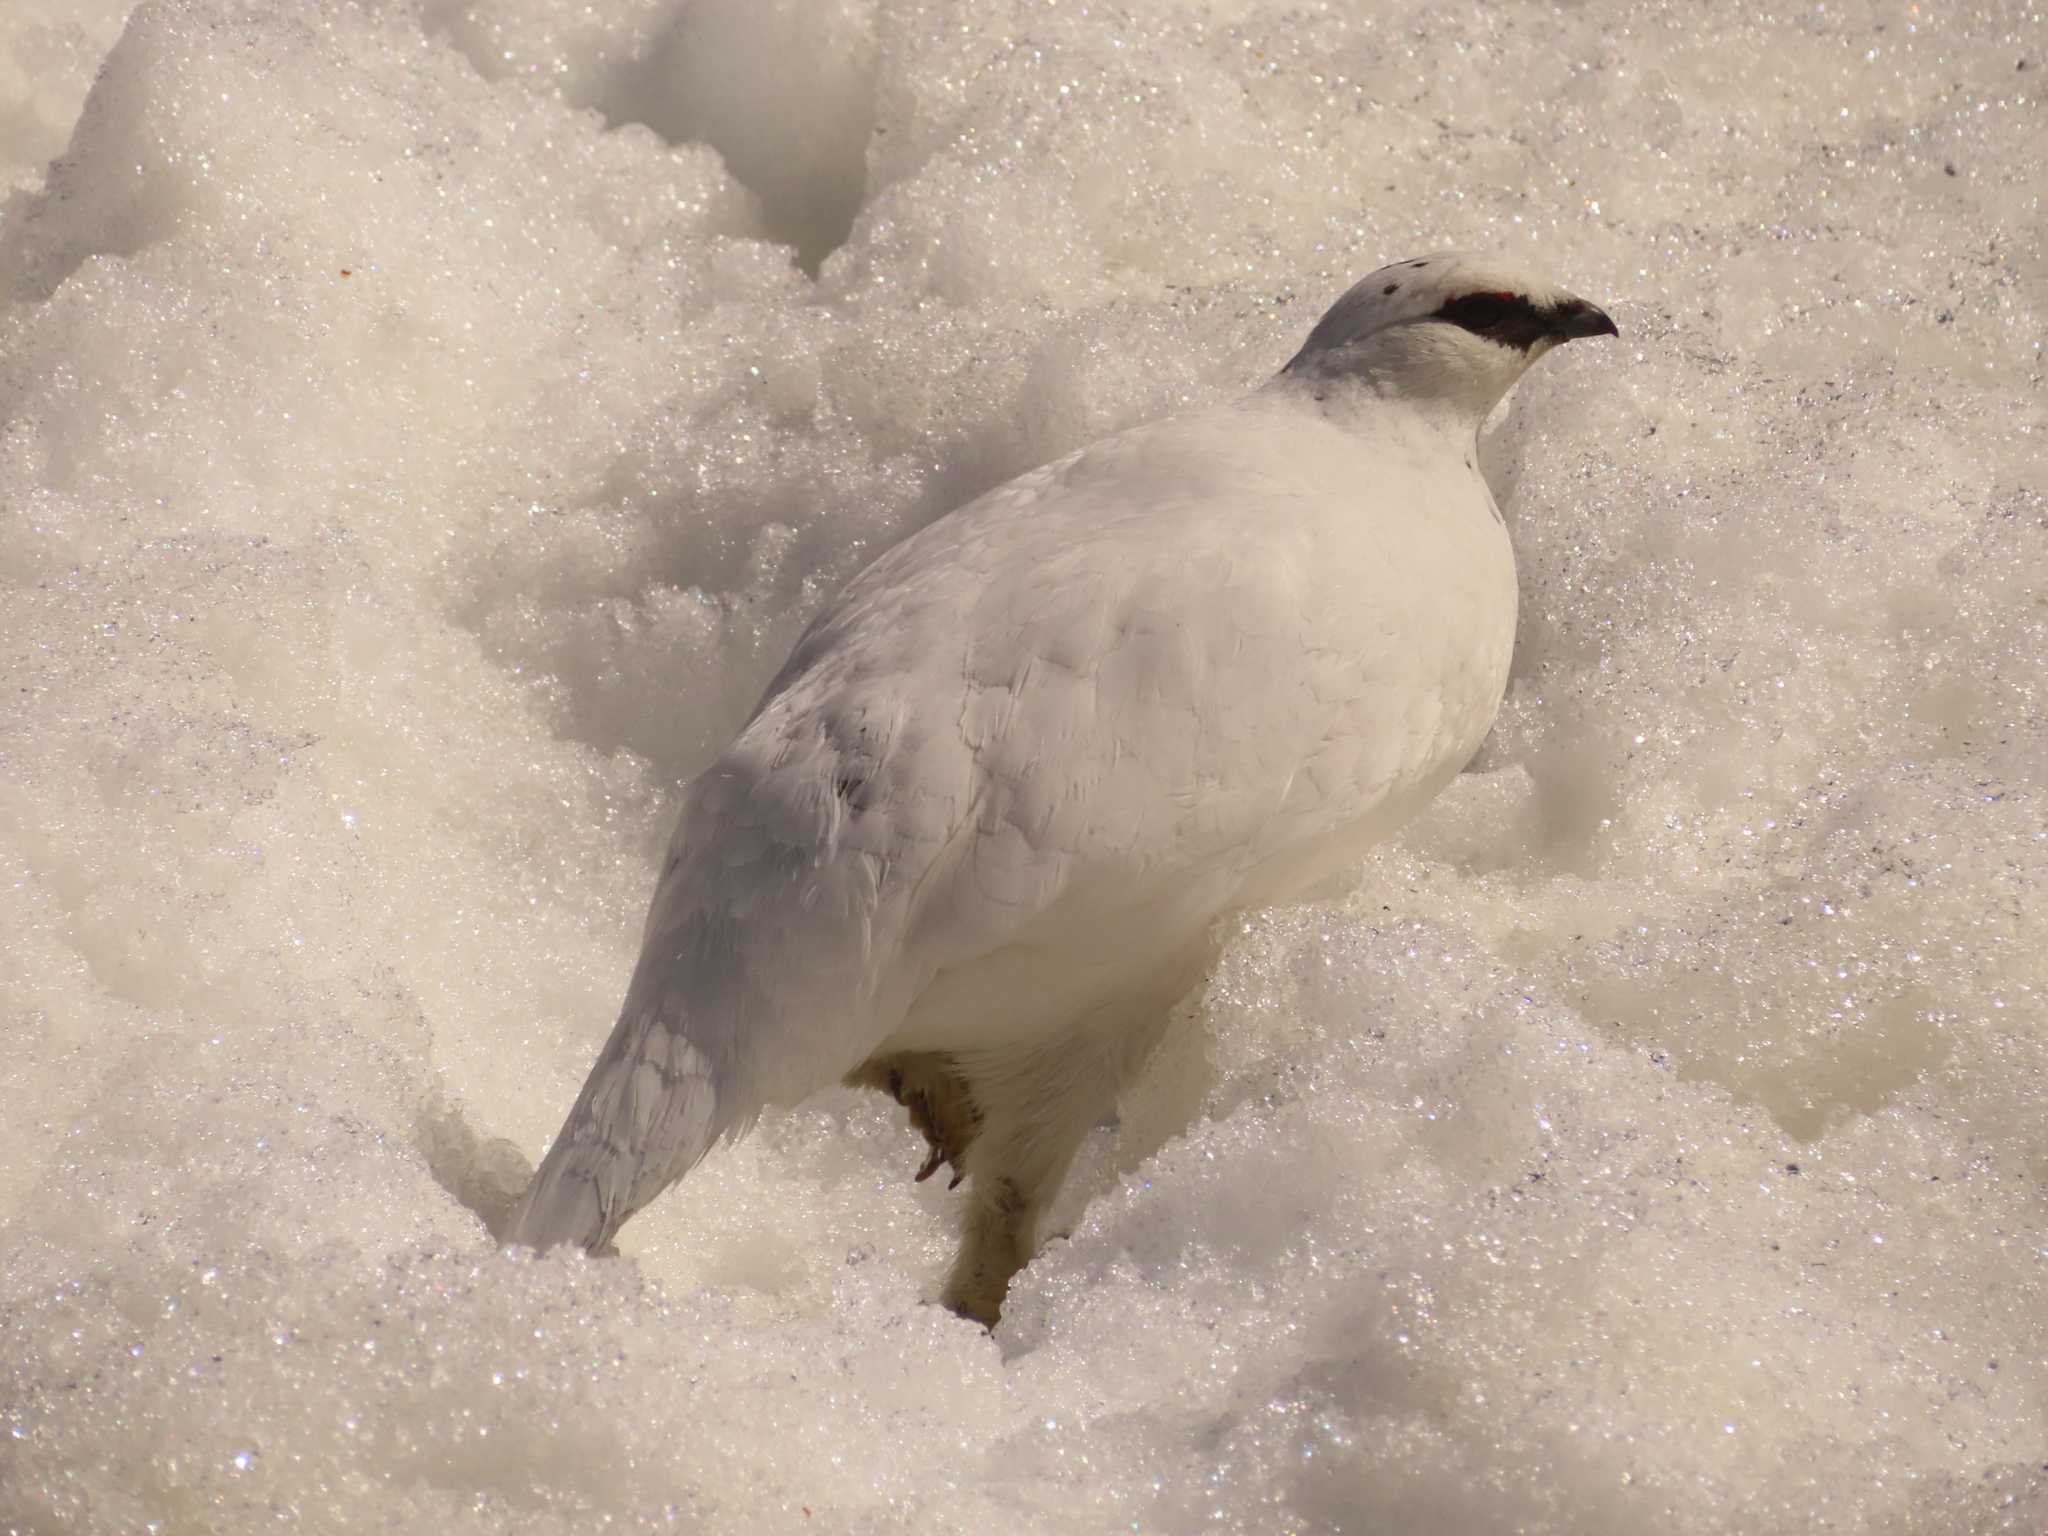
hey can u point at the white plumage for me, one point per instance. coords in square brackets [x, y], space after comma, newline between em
[975, 839]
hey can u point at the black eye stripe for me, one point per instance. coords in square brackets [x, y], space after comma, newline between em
[1507, 318]
[1477, 311]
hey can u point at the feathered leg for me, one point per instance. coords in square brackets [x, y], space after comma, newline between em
[1036, 1109]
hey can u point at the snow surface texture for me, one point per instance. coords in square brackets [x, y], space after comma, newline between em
[427, 425]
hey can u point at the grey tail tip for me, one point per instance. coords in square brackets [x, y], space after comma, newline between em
[562, 1209]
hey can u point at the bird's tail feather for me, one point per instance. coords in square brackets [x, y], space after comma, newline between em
[647, 1113]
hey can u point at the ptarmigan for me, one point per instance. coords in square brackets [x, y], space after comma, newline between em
[975, 840]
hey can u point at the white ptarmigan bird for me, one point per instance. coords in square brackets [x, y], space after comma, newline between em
[975, 840]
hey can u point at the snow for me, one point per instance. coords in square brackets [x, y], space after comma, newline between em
[423, 428]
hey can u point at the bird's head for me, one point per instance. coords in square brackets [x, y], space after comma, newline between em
[1451, 328]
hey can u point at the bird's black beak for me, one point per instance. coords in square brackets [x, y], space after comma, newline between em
[1575, 318]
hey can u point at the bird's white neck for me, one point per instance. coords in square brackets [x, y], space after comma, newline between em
[1442, 376]
[1367, 403]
